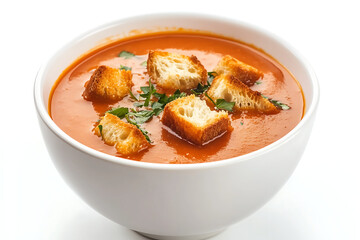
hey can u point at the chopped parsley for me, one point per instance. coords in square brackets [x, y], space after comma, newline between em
[211, 76]
[119, 112]
[122, 67]
[200, 89]
[221, 103]
[277, 103]
[258, 82]
[144, 63]
[133, 96]
[100, 128]
[126, 54]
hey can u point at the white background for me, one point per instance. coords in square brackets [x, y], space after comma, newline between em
[320, 201]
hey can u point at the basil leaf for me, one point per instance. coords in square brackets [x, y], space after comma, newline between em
[126, 54]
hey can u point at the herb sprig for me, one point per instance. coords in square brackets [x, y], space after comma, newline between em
[221, 103]
[149, 95]
[126, 54]
[277, 103]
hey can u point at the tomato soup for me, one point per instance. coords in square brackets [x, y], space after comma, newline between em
[250, 131]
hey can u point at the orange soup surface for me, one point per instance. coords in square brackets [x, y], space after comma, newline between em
[251, 131]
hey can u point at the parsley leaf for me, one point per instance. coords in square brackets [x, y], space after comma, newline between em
[133, 96]
[122, 67]
[177, 94]
[119, 112]
[148, 91]
[142, 116]
[258, 82]
[144, 63]
[100, 128]
[221, 103]
[211, 76]
[200, 89]
[143, 131]
[277, 103]
[126, 54]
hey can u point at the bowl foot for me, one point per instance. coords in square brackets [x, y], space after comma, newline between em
[191, 237]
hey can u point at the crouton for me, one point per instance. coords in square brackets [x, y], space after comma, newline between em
[193, 120]
[175, 71]
[232, 89]
[245, 73]
[126, 137]
[108, 84]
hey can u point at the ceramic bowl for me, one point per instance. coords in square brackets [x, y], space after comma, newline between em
[174, 201]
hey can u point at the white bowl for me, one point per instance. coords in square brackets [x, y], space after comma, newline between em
[173, 201]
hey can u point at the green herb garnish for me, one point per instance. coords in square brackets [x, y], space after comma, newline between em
[277, 103]
[144, 63]
[119, 112]
[258, 82]
[148, 91]
[133, 96]
[100, 128]
[200, 89]
[211, 76]
[142, 116]
[281, 105]
[221, 103]
[126, 54]
[143, 131]
[122, 67]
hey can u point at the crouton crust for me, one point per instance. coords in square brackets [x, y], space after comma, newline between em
[180, 116]
[245, 73]
[232, 89]
[108, 84]
[175, 71]
[126, 137]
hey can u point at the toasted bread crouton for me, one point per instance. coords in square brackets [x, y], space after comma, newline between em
[232, 89]
[245, 73]
[108, 84]
[126, 137]
[193, 120]
[175, 71]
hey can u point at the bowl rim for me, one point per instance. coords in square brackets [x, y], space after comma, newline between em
[45, 117]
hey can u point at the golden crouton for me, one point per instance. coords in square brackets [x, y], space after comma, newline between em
[193, 120]
[108, 84]
[175, 71]
[232, 89]
[245, 73]
[126, 137]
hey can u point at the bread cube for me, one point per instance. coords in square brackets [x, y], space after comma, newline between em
[232, 89]
[245, 73]
[193, 120]
[126, 137]
[111, 84]
[175, 71]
